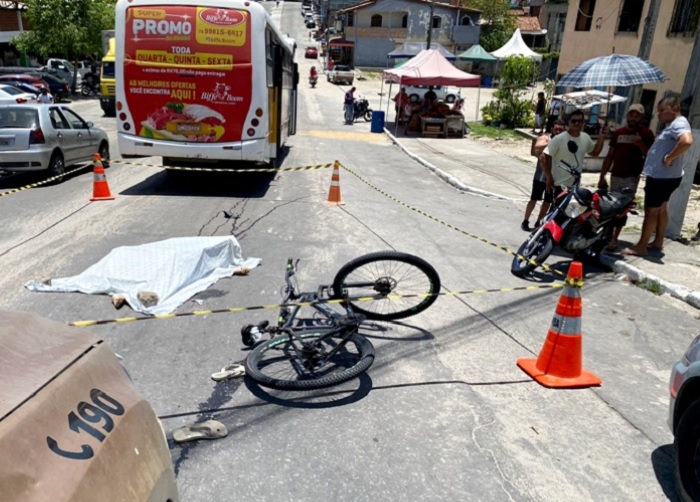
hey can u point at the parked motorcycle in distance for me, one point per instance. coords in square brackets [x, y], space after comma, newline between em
[362, 109]
[580, 222]
[90, 85]
[312, 81]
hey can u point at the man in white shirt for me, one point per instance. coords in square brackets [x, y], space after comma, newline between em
[45, 97]
[563, 158]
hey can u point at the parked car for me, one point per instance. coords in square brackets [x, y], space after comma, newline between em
[310, 23]
[341, 74]
[93, 436]
[59, 88]
[416, 93]
[32, 80]
[311, 53]
[35, 137]
[9, 94]
[25, 87]
[65, 70]
[684, 421]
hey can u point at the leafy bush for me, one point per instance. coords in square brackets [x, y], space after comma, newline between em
[511, 108]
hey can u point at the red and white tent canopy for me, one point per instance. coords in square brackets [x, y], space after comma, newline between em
[429, 67]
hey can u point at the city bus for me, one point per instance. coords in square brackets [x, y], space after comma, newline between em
[205, 82]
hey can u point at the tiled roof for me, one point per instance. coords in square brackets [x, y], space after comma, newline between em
[529, 24]
[426, 2]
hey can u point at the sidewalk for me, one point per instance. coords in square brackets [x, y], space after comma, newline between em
[471, 166]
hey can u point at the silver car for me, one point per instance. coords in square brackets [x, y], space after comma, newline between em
[684, 421]
[35, 137]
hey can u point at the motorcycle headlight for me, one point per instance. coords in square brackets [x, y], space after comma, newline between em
[574, 209]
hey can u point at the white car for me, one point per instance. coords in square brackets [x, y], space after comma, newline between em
[11, 95]
[416, 92]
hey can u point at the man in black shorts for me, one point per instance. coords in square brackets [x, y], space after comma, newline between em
[539, 180]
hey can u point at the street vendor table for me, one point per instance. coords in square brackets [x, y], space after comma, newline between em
[432, 126]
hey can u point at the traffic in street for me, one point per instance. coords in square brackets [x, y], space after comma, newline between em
[443, 412]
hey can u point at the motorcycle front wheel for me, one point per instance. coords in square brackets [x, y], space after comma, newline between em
[535, 250]
[368, 115]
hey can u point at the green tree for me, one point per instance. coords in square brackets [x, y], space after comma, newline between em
[65, 28]
[511, 107]
[497, 23]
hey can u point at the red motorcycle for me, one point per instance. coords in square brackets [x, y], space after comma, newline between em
[580, 222]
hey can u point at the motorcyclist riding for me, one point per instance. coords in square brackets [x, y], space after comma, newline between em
[313, 73]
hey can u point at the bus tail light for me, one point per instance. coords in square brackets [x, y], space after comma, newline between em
[255, 122]
[259, 112]
[251, 132]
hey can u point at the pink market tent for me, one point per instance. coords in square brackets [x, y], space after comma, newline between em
[429, 67]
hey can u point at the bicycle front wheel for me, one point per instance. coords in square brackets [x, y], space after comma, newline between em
[285, 363]
[388, 285]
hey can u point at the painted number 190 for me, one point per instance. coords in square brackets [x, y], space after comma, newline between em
[98, 413]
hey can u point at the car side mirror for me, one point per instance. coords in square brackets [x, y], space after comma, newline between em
[89, 125]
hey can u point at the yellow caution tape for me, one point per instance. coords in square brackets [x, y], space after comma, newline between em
[236, 310]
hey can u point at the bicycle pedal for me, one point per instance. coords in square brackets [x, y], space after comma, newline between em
[250, 335]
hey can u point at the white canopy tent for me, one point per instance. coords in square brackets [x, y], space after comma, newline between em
[516, 46]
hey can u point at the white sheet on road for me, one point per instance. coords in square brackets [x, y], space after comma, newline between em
[175, 269]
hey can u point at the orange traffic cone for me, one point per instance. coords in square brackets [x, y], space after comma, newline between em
[559, 362]
[334, 192]
[100, 187]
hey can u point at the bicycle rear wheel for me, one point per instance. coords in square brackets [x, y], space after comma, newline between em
[400, 284]
[279, 363]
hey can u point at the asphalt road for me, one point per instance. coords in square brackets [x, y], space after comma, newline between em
[444, 413]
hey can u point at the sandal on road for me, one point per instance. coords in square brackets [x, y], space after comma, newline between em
[210, 429]
[227, 372]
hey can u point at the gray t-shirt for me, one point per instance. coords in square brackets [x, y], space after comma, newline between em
[665, 141]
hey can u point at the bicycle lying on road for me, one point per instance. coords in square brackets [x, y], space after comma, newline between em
[307, 354]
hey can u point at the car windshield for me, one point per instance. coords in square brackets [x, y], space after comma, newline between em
[18, 117]
[11, 90]
[341, 67]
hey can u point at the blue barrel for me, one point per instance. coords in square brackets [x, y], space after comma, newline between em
[487, 82]
[377, 121]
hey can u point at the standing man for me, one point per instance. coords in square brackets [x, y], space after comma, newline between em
[628, 148]
[539, 112]
[400, 101]
[44, 97]
[554, 112]
[539, 180]
[664, 174]
[430, 95]
[349, 105]
[563, 157]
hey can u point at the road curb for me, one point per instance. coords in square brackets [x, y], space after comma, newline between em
[689, 296]
[451, 180]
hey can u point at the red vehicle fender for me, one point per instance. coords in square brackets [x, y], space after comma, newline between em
[554, 229]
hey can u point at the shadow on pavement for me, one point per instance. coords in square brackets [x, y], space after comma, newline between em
[662, 460]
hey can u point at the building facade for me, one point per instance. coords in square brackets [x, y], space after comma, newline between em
[11, 25]
[603, 27]
[378, 27]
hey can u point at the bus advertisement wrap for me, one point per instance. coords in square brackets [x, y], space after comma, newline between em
[187, 72]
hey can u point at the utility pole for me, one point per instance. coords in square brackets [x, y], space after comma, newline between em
[645, 46]
[430, 24]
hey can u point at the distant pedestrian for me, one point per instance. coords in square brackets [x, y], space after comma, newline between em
[431, 95]
[664, 173]
[539, 112]
[625, 160]
[349, 106]
[400, 101]
[539, 180]
[554, 114]
[44, 97]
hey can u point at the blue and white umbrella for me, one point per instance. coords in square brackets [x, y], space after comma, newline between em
[615, 70]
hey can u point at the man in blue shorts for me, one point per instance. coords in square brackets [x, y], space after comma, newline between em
[664, 174]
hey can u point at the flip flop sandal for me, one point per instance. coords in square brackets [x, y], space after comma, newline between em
[210, 429]
[227, 372]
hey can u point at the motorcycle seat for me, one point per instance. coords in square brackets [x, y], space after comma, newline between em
[611, 203]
